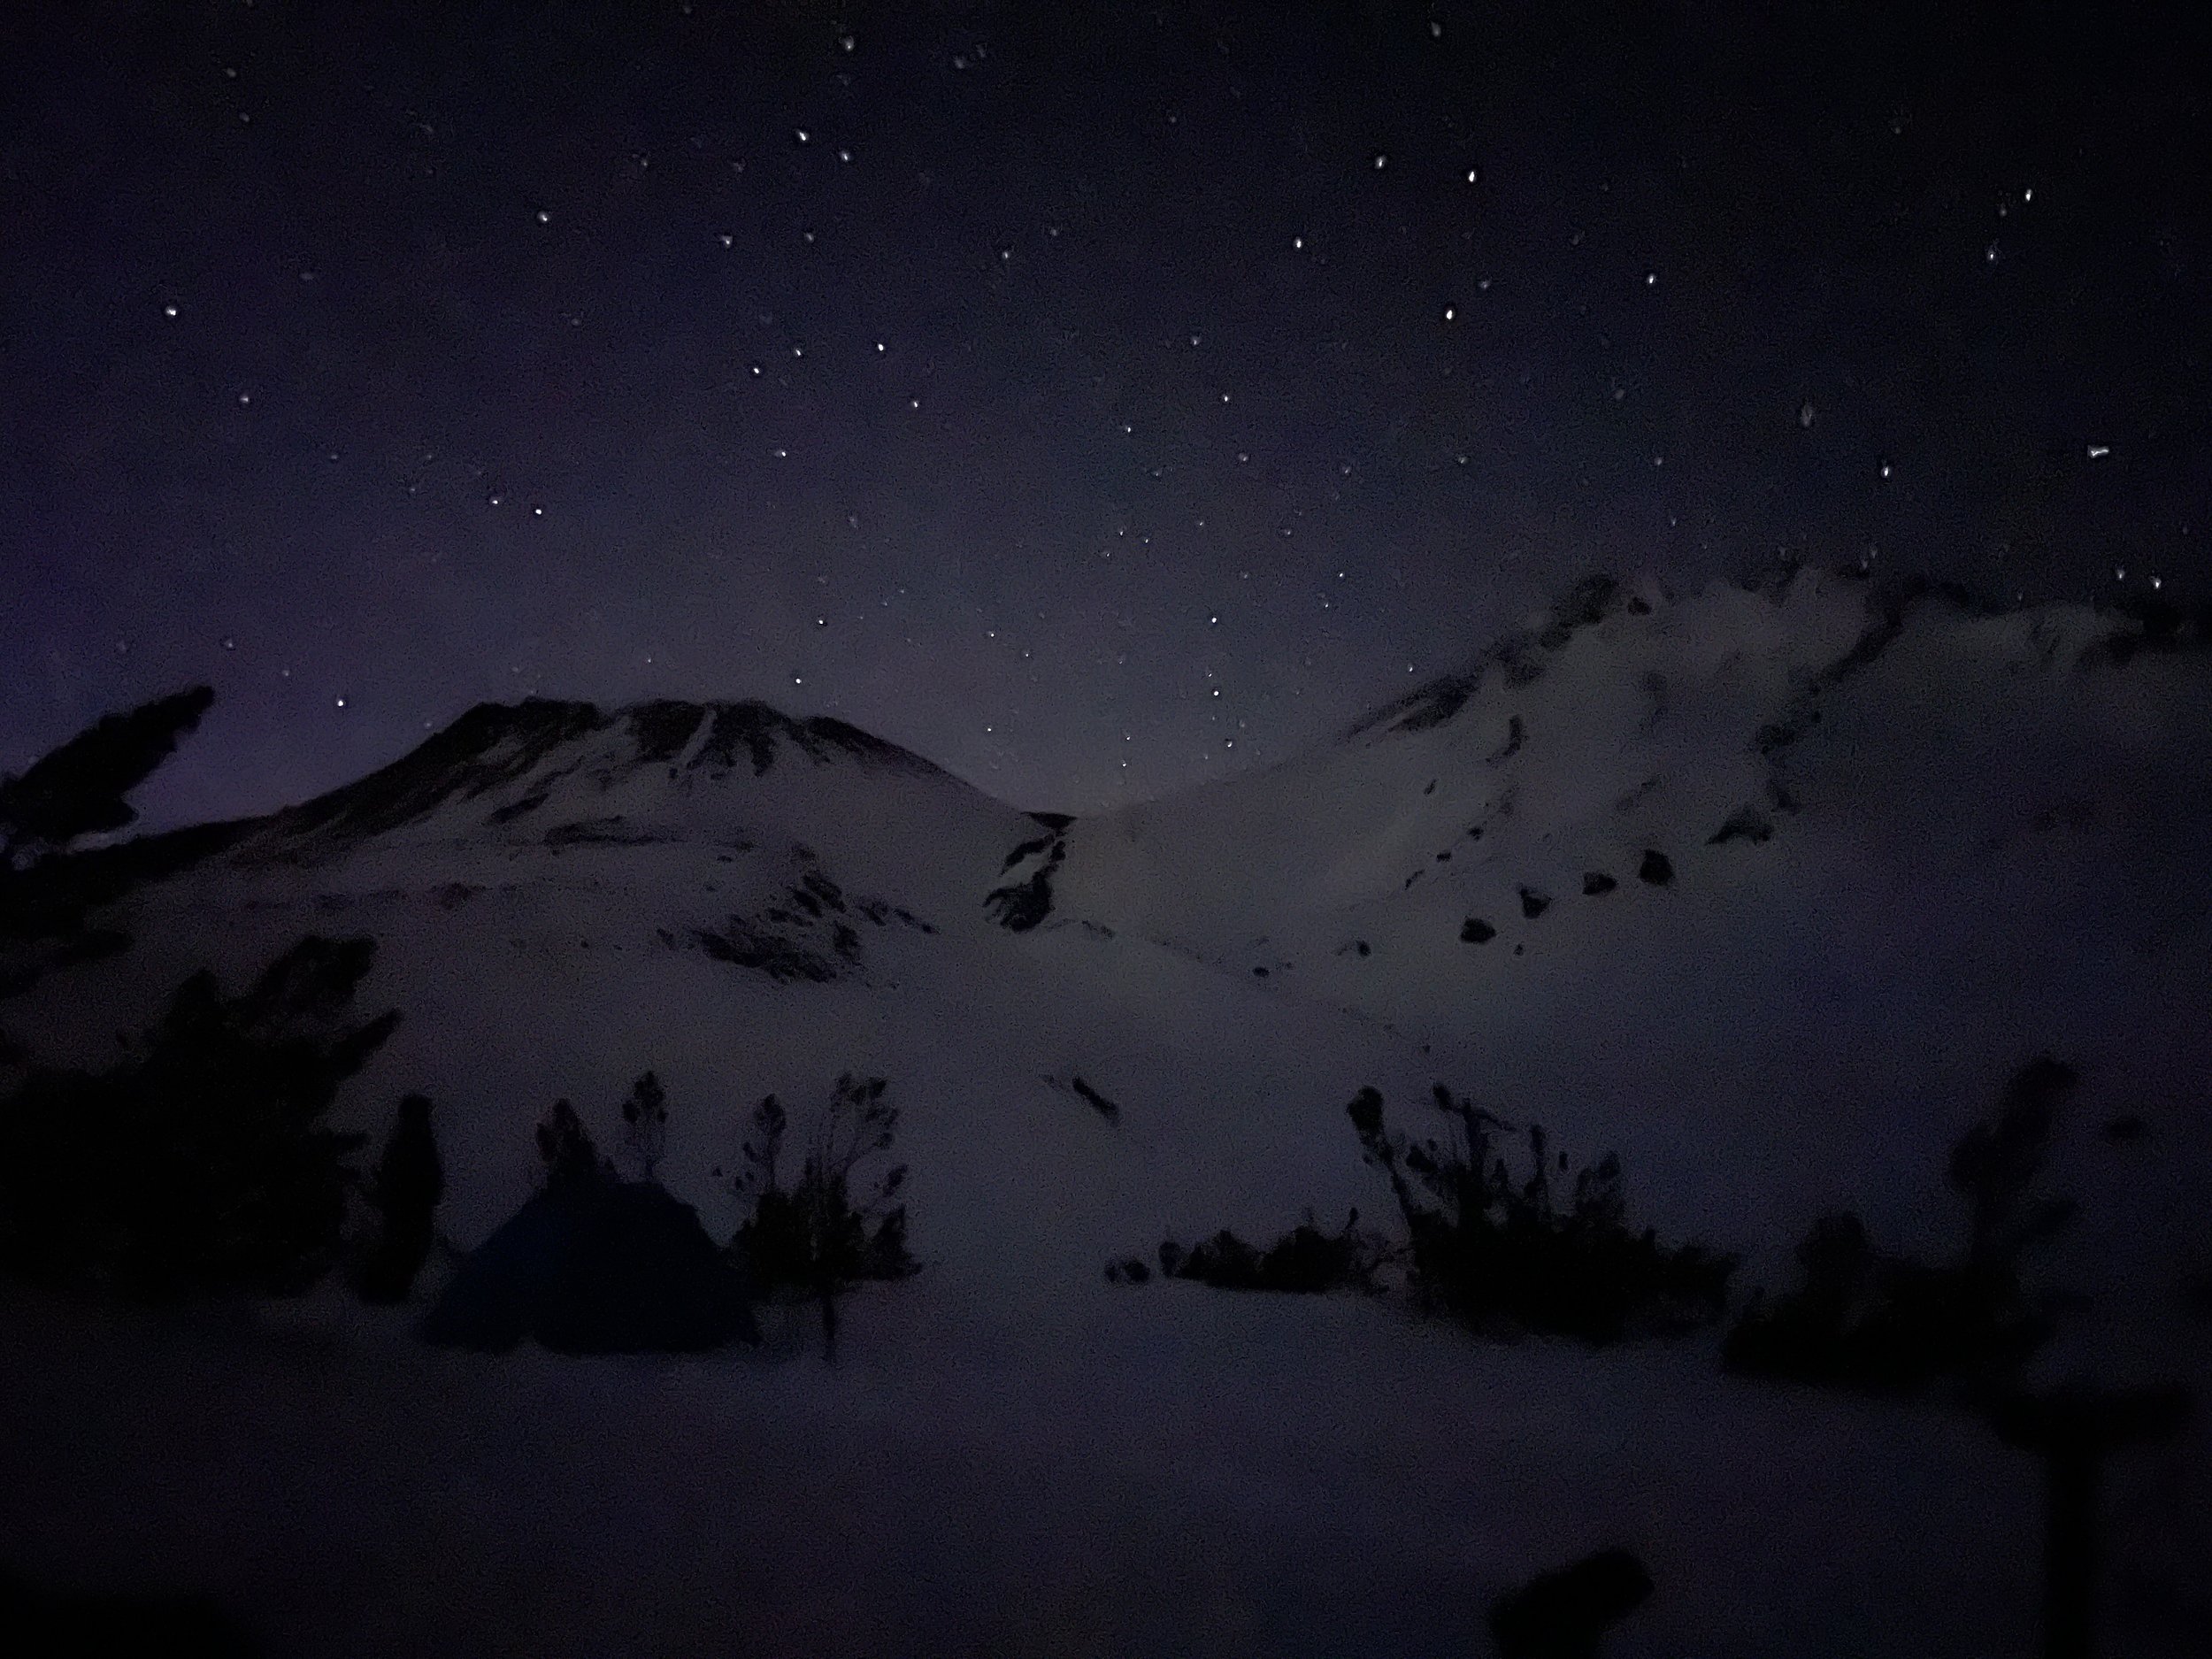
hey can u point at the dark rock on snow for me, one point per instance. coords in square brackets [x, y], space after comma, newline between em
[1105, 1107]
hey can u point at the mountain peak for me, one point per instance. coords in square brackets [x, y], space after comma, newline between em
[1520, 656]
[511, 758]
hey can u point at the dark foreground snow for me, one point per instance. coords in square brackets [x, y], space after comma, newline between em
[1168, 1472]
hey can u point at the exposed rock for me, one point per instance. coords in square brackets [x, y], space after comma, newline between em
[745, 945]
[1024, 850]
[1657, 869]
[662, 728]
[751, 726]
[521, 808]
[1430, 706]
[1596, 882]
[1745, 823]
[600, 832]
[1475, 931]
[1105, 1107]
[1018, 906]
[490, 745]
[1533, 902]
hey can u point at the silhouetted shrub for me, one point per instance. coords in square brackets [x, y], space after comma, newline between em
[816, 1237]
[404, 1191]
[1502, 1257]
[199, 1161]
[1860, 1319]
[1129, 1270]
[1305, 1260]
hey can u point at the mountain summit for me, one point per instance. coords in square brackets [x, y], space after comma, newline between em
[1765, 888]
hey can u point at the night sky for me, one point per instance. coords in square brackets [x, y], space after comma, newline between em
[1094, 398]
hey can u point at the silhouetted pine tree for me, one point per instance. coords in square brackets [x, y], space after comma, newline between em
[78, 789]
[199, 1161]
[816, 1237]
[403, 1191]
[565, 1147]
[645, 1125]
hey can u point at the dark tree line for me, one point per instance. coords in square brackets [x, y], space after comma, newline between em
[200, 1160]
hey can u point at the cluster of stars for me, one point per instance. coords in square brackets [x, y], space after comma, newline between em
[1044, 426]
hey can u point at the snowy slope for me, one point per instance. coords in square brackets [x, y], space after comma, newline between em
[1864, 854]
[1769, 889]
[563, 897]
[1958, 839]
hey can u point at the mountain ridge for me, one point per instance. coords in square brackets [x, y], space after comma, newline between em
[1578, 888]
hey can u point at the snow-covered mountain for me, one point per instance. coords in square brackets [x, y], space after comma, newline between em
[1769, 889]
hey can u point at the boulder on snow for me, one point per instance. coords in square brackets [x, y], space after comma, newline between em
[1745, 823]
[595, 1265]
